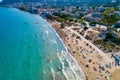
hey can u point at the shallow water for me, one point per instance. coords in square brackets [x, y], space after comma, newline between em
[31, 50]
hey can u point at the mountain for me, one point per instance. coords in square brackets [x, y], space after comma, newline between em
[69, 1]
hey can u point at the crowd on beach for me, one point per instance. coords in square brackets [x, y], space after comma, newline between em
[95, 63]
[91, 61]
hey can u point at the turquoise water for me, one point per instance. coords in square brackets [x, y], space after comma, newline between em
[31, 50]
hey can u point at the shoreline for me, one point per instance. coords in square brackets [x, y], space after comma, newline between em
[70, 59]
[96, 68]
[89, 74]
[87, 61]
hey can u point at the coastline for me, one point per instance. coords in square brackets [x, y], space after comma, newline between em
[92, 63]
[71, 44]
[73, 63]
[48, 63]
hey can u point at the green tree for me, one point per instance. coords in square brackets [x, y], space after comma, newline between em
[24, 8]
[93, 23]
[85, 28]
[109, 10]
[109, 20]
[62, 25]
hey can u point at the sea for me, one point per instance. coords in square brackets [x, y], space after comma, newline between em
[30, 49]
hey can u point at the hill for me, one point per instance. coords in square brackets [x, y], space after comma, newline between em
[93, 2]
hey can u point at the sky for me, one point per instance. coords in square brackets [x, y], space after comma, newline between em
[0, 0]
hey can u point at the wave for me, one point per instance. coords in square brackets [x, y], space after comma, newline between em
[73, 71]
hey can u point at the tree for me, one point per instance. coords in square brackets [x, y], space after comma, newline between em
[93, 23]
[85, 28]
[82, 21]
[109, 20]
[24, 8]
[62, 25]
[109, 10]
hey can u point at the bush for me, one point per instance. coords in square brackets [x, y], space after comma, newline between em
[85, 28]
[109, 36]
[93, 23]
[62, 26]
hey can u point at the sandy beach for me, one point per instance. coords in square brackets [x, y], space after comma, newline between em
[95, 63]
